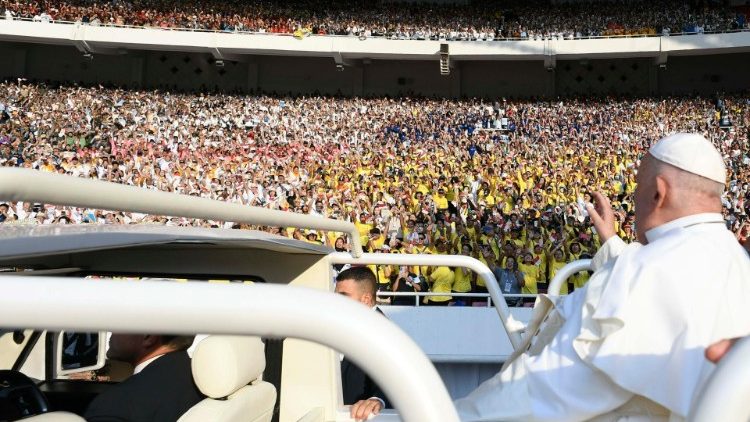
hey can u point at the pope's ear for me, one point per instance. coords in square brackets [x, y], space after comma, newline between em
[662, 190]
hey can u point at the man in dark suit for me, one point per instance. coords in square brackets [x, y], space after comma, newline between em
[161, 387]
[359, 283]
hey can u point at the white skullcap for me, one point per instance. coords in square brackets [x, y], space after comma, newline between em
[693, 153]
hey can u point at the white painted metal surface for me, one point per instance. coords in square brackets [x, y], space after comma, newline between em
[565, 272]
[457, 334]
[18, 184]
[386, 415]
[725, 396]
[450, 260]
[394, 361]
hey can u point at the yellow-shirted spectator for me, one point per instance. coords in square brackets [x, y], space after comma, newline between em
[488, 238]
[312, 237]
[417, 201]
[556, 262]
[579, 279]
[531, 273]
[375, 240]
[441, 202]
[441, 279]
[362, 225]
[462, 280]
[417, 246]
[47, 165]
[540, 259]
[383, 272]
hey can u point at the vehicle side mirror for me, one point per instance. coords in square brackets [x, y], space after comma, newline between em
[79, 352]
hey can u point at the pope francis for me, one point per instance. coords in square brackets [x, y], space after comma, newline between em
[629, 345]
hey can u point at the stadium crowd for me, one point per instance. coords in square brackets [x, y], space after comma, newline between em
[502, 181]
[494, 20]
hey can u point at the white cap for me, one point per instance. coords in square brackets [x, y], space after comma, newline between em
[693, 153]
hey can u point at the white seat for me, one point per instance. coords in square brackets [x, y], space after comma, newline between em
[55, 417]
[223, 366]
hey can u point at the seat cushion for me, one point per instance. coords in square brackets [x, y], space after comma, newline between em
[55, 417]
[223, 364]
[253, 403]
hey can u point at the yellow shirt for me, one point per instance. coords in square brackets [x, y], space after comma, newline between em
[377, 243]
[379, 271]
[480, 280]
[462, 280]
[554, 267]
[423, 188]
[363, 228]
[441, 202]
[530, 278]
[364, 231]
[542, 260]
[579, 279]
[442, 282]
[420, 270]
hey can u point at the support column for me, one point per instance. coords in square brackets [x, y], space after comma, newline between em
[551, 85]
[455, 80]
[358, 79]
[252, 76]
[550, 63]
[19, 63]
[653, 80]
[136, 71]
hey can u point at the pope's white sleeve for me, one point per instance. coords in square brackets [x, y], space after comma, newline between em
[549, 387]
[555, 385]
[564, 388]
[609, 250]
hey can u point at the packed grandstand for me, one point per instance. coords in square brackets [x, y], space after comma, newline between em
[484, 21]
[415, 175]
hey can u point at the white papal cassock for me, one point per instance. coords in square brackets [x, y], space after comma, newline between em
[630, 344]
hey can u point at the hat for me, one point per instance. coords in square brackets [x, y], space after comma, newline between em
[693, 153]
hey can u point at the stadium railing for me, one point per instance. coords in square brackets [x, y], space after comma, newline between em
[417, 295]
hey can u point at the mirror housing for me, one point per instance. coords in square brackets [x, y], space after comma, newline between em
[79, 352]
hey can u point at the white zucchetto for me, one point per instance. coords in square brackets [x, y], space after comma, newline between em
[693, 153]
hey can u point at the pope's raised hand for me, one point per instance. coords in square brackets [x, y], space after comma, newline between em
[602, 216]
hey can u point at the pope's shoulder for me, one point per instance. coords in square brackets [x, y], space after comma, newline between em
[693, 246]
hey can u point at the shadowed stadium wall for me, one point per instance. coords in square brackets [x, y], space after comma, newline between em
[705, 74]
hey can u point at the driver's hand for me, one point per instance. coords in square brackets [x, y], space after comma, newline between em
[361, 410]
[602, 216]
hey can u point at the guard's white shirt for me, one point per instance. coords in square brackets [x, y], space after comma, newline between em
[141, 366]
[640, 326]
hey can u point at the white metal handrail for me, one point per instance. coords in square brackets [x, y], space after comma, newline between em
[458, 294]
[290, 34]
[473, 264]
[17, 184]
[417, 295]
[392, 358]
[564, 273]
[725, 395]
